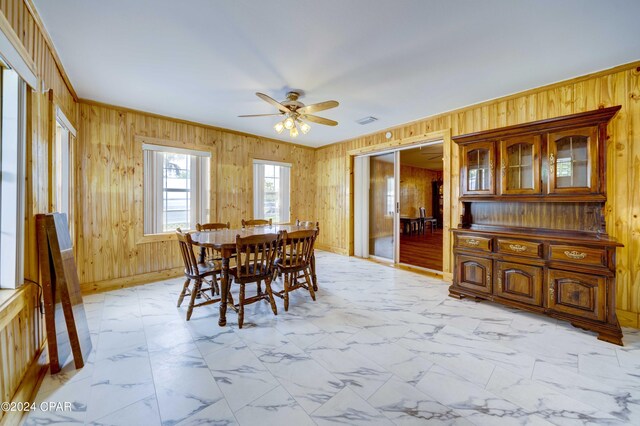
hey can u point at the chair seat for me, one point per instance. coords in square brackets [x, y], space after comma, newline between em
[285, 265]
[205, 269]
[261, 270]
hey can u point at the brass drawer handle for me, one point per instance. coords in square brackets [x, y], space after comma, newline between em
[552, 291]
[575, 254]
[473, 242]
[552, 161]
[517, 247]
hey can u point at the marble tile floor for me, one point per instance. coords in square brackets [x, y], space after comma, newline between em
[379, 346]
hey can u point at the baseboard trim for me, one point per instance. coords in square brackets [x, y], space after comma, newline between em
[131, 281]
[332, 249]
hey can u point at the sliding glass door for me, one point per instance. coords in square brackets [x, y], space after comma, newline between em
[383, 206]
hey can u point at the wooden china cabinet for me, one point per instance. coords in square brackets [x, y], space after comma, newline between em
[532, 232]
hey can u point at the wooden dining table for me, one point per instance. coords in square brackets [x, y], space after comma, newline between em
[224, 241]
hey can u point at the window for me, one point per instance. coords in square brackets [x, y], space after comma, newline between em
[12, 178]
[63, 170]
[176, 188]
[271, 191]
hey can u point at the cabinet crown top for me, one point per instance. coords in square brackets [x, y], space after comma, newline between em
[588, 118]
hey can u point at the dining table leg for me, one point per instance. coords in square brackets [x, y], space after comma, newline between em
[224, 291]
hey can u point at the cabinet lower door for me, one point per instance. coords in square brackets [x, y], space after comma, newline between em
[474, 273]
[522, 283]
[577, 294]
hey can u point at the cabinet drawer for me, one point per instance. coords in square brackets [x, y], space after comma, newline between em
[577, 254]
[474, 242]
[474, 273]
[522, 283]
[577, 294]
[521, 248]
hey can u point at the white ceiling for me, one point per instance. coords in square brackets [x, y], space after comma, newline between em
[399, 61]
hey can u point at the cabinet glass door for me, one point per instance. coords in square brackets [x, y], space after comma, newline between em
[572, 161]
[478, 159]
[520, 165]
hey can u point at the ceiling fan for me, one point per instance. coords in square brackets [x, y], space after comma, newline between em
[296, 113]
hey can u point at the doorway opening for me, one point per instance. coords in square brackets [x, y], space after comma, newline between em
[421, 207]
[399, 206]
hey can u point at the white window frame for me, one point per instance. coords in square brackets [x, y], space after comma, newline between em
[12, 182]
[154, 190]
[284, 210]
[63, 164]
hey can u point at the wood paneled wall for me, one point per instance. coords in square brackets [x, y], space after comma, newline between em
[619, 86]
[22, 355]
[109, 205]
[416, 190]
[23, 358]
[26, 24]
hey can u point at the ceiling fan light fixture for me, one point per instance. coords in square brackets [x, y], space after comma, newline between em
[289, 123]
[292, 112]
[304, 127]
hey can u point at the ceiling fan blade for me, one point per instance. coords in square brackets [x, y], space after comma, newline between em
[318, 107]
[260, 115]
[273, 102]
[319, 120]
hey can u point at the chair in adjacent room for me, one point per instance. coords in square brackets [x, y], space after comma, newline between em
[295, 262]
[255, 222]
[198, 273]
[256, 255]
[422, 222]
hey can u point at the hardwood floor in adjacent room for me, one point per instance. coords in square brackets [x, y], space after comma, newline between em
[424, 251]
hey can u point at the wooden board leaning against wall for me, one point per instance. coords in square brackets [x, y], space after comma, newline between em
[618, 86]
[109, 202]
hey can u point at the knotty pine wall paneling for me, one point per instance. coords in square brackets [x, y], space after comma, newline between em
[416, 190]
[111, 249]
[22, 350]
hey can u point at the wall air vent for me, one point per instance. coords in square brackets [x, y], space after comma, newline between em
[366, 120]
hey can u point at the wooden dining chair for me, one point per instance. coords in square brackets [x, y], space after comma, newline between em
[197, 272]
[210, 255]
[256, 222]
[212, 226]
[295, 264]
[310, 223]
[256, 255]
